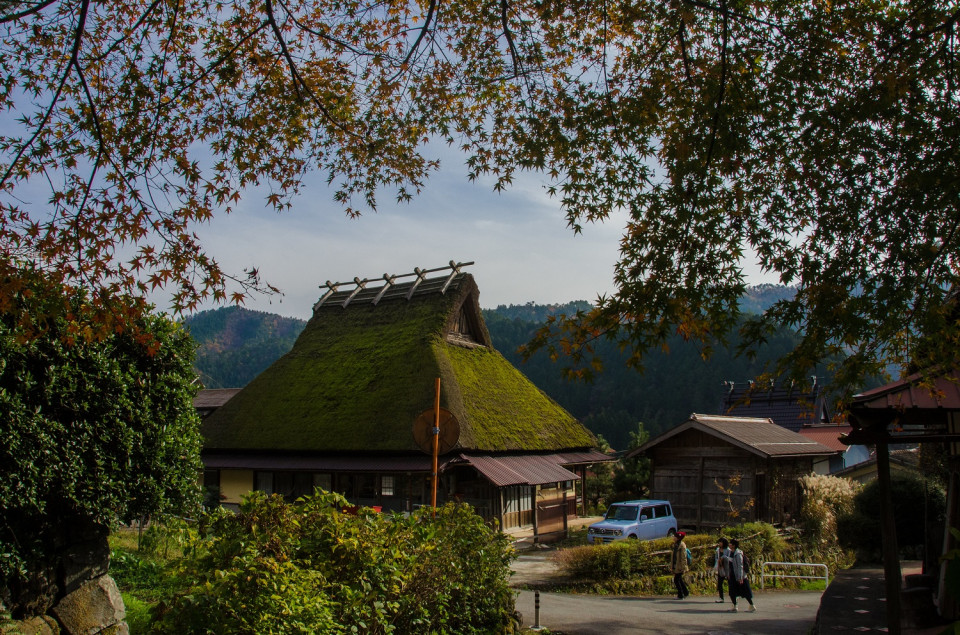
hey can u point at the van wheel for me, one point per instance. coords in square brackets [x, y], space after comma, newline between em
[672, 532]
[632, 537]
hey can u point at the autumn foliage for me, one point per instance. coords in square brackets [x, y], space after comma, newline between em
[816, 141]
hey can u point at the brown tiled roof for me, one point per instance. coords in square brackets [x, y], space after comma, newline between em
[912, 392]
[828, 435]
[760, 436]
[213, 398]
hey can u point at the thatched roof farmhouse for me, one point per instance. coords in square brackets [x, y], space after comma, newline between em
[338, 410]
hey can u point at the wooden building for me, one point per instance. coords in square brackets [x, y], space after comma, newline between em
[803, 411]
[351, 409]
[711, 467]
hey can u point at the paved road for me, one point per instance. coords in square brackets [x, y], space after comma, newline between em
[779, 613]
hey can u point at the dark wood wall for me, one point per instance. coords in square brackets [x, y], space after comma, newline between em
[708, 480]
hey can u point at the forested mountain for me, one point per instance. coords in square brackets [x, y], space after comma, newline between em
[674, 384]
[236, 344]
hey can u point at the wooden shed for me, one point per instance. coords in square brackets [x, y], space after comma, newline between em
[717, 469]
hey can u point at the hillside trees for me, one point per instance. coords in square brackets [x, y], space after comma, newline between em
[94, 433]
[817, 140]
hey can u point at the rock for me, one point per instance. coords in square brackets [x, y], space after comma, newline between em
[43, 625]
[93, 608]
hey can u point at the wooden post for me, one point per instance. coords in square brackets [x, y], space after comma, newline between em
[536, 524]
[700, 471]
[436, 442]
[891, 555]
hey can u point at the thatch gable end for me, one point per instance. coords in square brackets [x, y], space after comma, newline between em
[362, 371]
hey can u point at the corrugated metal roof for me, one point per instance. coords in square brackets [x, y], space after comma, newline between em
[762, 435]
[520, 469]
[341, 463]
[585, 457]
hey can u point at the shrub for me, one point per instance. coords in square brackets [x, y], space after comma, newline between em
[306, 568]
[825, 498]
[642, 567]
[915, 502]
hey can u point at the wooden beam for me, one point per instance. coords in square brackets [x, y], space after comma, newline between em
[891, 555]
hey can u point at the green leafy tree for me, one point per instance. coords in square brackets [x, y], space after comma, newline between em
[598, 486]
[815, 140]
[277, 567]
[631, 476]
[95, 432]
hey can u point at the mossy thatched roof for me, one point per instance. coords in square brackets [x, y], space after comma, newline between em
[359, 375]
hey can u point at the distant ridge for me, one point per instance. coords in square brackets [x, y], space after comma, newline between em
[235, 344]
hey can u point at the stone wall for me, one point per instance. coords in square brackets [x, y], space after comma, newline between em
[69, 591]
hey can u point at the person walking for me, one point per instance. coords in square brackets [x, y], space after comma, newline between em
[678, 564]
[739, 582]
[721, 567]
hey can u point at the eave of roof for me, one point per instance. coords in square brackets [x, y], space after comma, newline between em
[916, 391]
[757, 436]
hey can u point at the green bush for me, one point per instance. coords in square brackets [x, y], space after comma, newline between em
[307, 568]
[914, 502]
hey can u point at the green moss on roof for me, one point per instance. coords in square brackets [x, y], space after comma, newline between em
[358, 377]
[503, 409]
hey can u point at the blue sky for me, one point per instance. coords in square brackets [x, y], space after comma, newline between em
[518, 239]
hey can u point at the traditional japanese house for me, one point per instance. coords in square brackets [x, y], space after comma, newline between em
[715, 469]
[351, 409]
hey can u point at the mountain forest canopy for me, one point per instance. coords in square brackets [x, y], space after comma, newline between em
[818, 140]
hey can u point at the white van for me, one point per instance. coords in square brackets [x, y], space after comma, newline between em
[638, 519]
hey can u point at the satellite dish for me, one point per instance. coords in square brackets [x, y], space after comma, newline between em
[449, 431]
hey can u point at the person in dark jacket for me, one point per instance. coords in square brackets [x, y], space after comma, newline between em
[678, 565]
[721, 566]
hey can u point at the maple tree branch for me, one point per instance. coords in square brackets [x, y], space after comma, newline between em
[217, 62]
[324, 36]
[922, 34]
[725, 10]
[504, 20]
[721, 91]
[298, 80]
[681, 33]
[423, 33]
[74, 55]
[13, 17]
[133, 29]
